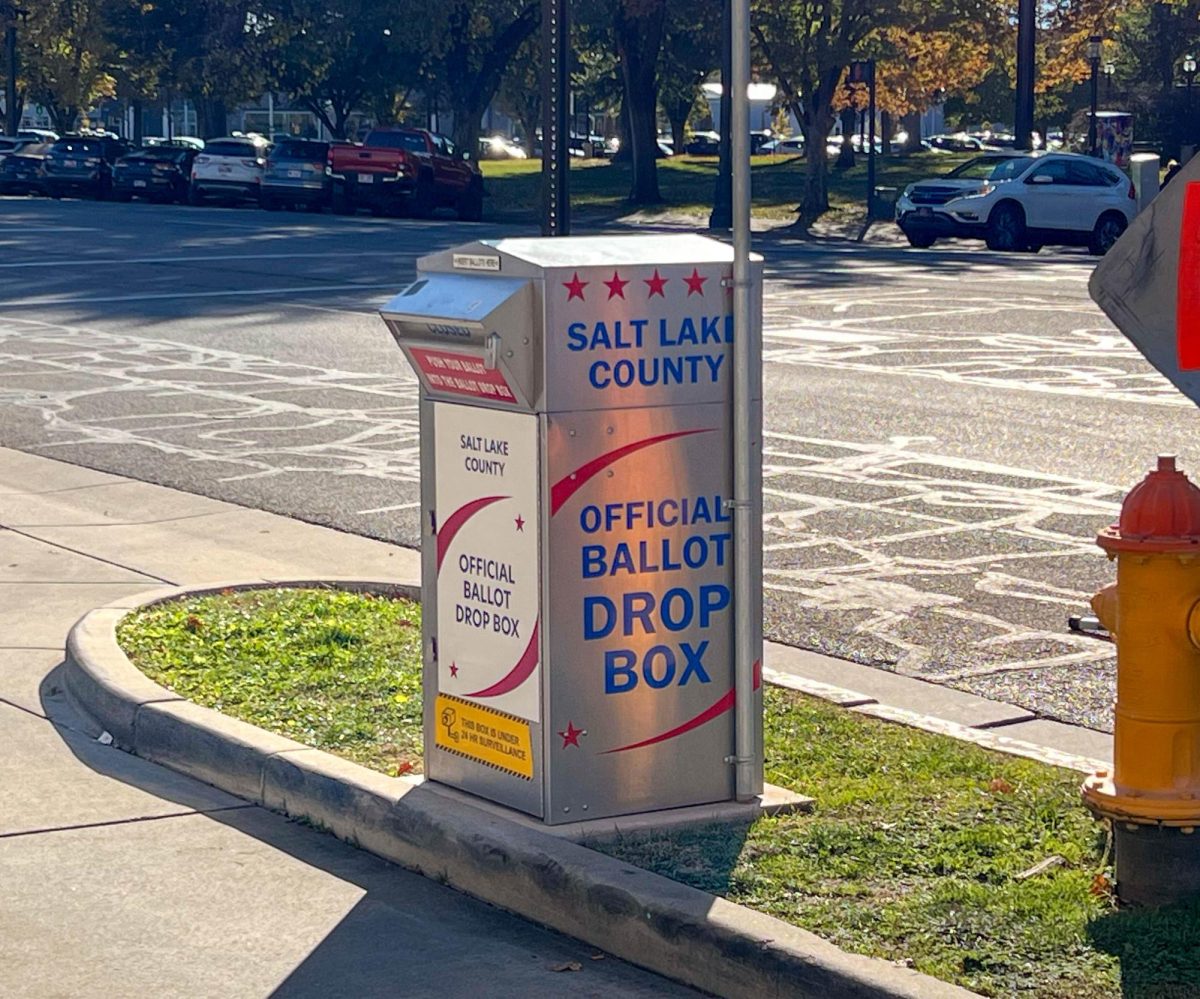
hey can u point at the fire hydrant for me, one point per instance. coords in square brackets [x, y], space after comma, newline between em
[1152, 797]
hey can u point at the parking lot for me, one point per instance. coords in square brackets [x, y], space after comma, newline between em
[946, 429]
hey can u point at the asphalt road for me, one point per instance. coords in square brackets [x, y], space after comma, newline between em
[947, 429]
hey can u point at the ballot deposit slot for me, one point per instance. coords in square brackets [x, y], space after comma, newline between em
[577, 542]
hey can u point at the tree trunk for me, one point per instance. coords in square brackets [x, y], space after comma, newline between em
[816, 176]
[845, 160]
[64, 118]
[885, 133]
[912, 125]
[468, 124]
[211, 117]
[678, 114]
[639, 40]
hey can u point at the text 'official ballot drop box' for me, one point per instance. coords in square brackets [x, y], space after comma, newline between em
[577, 533]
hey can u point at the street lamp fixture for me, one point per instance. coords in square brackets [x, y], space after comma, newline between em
[1093, 54]
[1110, 69]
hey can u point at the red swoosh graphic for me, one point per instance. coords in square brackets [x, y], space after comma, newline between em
[565, 488]
[714, 710]
[1187, 327]
[518, 674]
[456, 520]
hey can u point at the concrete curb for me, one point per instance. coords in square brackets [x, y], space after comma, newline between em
[677, 931]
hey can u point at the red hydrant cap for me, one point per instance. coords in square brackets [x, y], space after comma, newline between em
[1161, 513]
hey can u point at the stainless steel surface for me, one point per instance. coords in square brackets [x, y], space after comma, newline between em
[638, 611]
[579, 554]
[747, 436]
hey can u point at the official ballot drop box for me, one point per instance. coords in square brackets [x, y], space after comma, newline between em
[577, 534]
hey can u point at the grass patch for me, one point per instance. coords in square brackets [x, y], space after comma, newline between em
[335, 670]
[913, 853]
[599, 189]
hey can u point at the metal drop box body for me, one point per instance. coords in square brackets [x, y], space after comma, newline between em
[576, 476]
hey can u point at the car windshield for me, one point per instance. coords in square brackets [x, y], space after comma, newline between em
[397, 140]
[297, 150]
[982, 168]
[168, 153]
[232, 149]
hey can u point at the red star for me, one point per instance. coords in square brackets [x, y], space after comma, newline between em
[656, 285]
[454, 669]
[520, 523]
[575, 287]
[570, 737]
[616, 287]
[695, 283]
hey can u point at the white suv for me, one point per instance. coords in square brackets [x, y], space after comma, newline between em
[1022, 202]
[230, 169]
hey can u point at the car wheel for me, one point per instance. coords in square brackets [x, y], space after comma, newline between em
[54, 193]
[267, 202]
[195, 197]
[920, 242]
[1006, 228]
[342, 205]
[1107, 231]
[470, 205]
[123, 196]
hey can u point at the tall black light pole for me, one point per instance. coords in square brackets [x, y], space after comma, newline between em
[722, 211]
[556, 194]
[1093, 54]
[9, 12]
[1026, 55]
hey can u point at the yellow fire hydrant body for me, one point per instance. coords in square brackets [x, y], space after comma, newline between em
[1152, 796]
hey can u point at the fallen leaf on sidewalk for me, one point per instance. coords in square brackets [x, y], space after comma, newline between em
[403, 768]
[597, 956]
[567, 966]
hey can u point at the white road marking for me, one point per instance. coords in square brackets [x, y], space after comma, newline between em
[205, 258]
[167, 296]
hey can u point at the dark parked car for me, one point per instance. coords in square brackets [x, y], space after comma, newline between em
[160, 173]
[82, 164]
[297, 173]
[21, 172]
[10, 144]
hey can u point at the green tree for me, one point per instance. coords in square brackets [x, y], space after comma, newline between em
[808, 45]
[68, 60]
[471, 44]
[690, 53]
[638, 28]
[340, 56]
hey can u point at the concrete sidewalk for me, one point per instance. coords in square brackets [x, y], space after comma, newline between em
[124, 878]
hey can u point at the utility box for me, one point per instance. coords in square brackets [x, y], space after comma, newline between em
[577, 528]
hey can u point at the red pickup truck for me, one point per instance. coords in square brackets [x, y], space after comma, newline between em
[405, 171]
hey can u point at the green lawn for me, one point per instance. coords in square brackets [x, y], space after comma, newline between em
[919, 848]
[599, 189]
[338, 671]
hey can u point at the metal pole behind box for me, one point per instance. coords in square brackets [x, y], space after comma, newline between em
[746, 434]
[556, 196]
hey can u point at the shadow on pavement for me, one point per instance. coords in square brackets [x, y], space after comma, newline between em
[405, 935]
